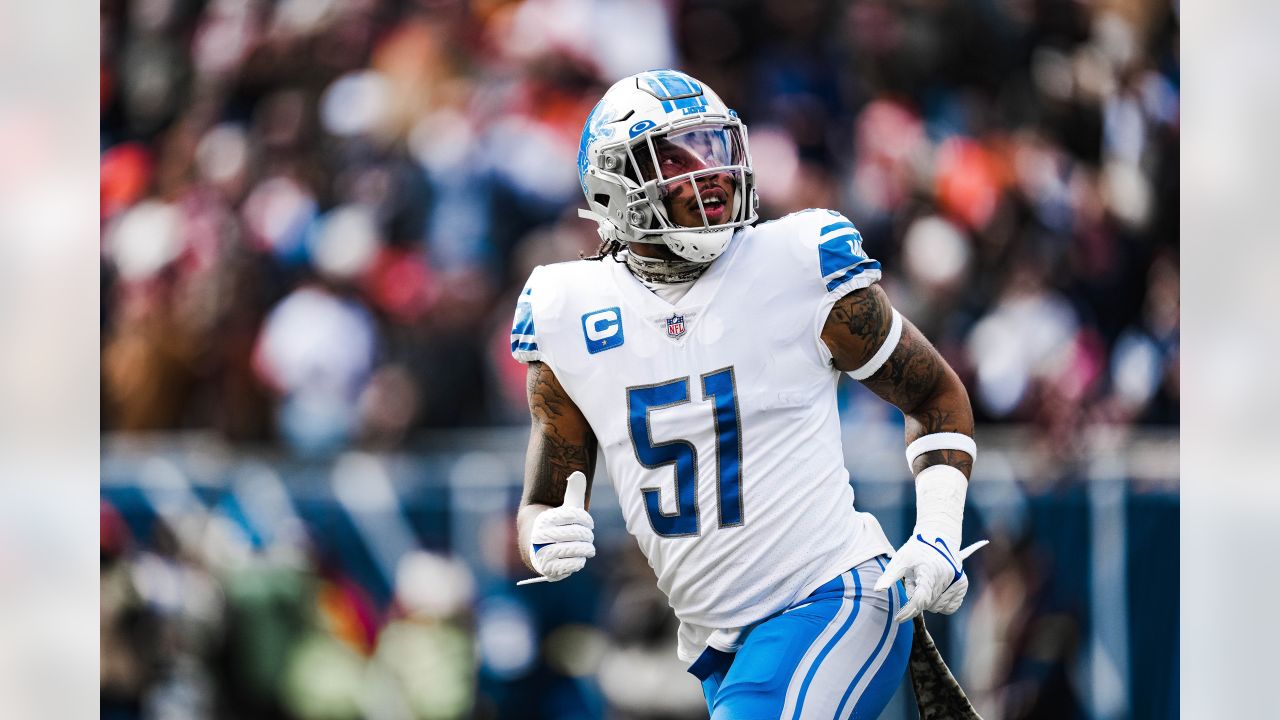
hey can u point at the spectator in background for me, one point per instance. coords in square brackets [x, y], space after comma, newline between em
[318, 347]
[426, 650]
[422, 144]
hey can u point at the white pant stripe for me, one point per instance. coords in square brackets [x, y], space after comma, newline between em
[802, 670]
[879, 660]
[851, 652]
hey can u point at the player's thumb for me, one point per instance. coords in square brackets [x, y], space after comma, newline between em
[913, 608]
[893, 572]
[920, 599]
[575, 495]
[965, 553]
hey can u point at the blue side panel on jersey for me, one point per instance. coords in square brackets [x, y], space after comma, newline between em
[852, 273]
[679, 453]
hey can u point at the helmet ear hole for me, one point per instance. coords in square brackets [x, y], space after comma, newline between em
[601, 199]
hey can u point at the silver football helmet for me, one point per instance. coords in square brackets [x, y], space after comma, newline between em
[664, 161]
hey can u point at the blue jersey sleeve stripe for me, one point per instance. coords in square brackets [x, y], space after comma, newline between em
[853, 273]
[836, 226]
[840, 252]
[522, 327]
[855, 236]
[524, 311]
[517, 346]
[523, 324]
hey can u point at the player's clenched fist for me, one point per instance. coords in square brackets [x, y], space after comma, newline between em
[933, 575]
[562, 537]
[930, 562]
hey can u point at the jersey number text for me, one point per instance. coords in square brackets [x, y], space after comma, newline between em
[718, 387]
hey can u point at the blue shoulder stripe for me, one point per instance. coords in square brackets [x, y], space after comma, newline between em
[523, 324]
[836, 226]
[839, 252]
[852, 273]
[523, 327]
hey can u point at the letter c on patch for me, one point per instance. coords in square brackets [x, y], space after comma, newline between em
[602, 329]
[602, 325]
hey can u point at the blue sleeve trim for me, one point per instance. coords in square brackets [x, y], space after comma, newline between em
[841, 251]
[523, 337]
[836, 226]
[537, 547]
[523, 326]
[852, 273]
[524, 313]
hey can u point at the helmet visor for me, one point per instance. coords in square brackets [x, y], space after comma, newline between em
[682, 152]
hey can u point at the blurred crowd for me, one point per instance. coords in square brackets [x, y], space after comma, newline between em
[199, 621]
[316, 213]
[382, 587]
[261, 599]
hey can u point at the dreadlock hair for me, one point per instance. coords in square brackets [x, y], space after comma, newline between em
[607, 248]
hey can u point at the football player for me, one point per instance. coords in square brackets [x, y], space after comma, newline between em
[700, 352]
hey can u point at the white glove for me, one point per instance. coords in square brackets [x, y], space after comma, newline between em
[562, 537]
[928, 562]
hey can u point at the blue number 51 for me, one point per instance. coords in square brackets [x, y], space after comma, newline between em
[720, 388]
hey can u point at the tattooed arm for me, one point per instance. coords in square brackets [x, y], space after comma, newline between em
[560, 442]
[915, 378]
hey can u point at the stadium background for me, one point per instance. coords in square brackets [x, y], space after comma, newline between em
[315, 218]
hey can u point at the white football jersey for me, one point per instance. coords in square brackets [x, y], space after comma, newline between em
[717, 415]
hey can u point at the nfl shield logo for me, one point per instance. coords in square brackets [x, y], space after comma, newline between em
[675, 326]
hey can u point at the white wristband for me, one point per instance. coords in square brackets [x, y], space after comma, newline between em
[886, 349]
[941, 441]
[940, 492]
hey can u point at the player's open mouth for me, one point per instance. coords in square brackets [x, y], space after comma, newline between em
[715, 205]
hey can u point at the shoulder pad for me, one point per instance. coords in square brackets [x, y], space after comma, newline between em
[829, 247]
[524, 337]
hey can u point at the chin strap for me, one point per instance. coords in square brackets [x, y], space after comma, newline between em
[664, 271]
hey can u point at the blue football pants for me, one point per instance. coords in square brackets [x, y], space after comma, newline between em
[836, 654]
